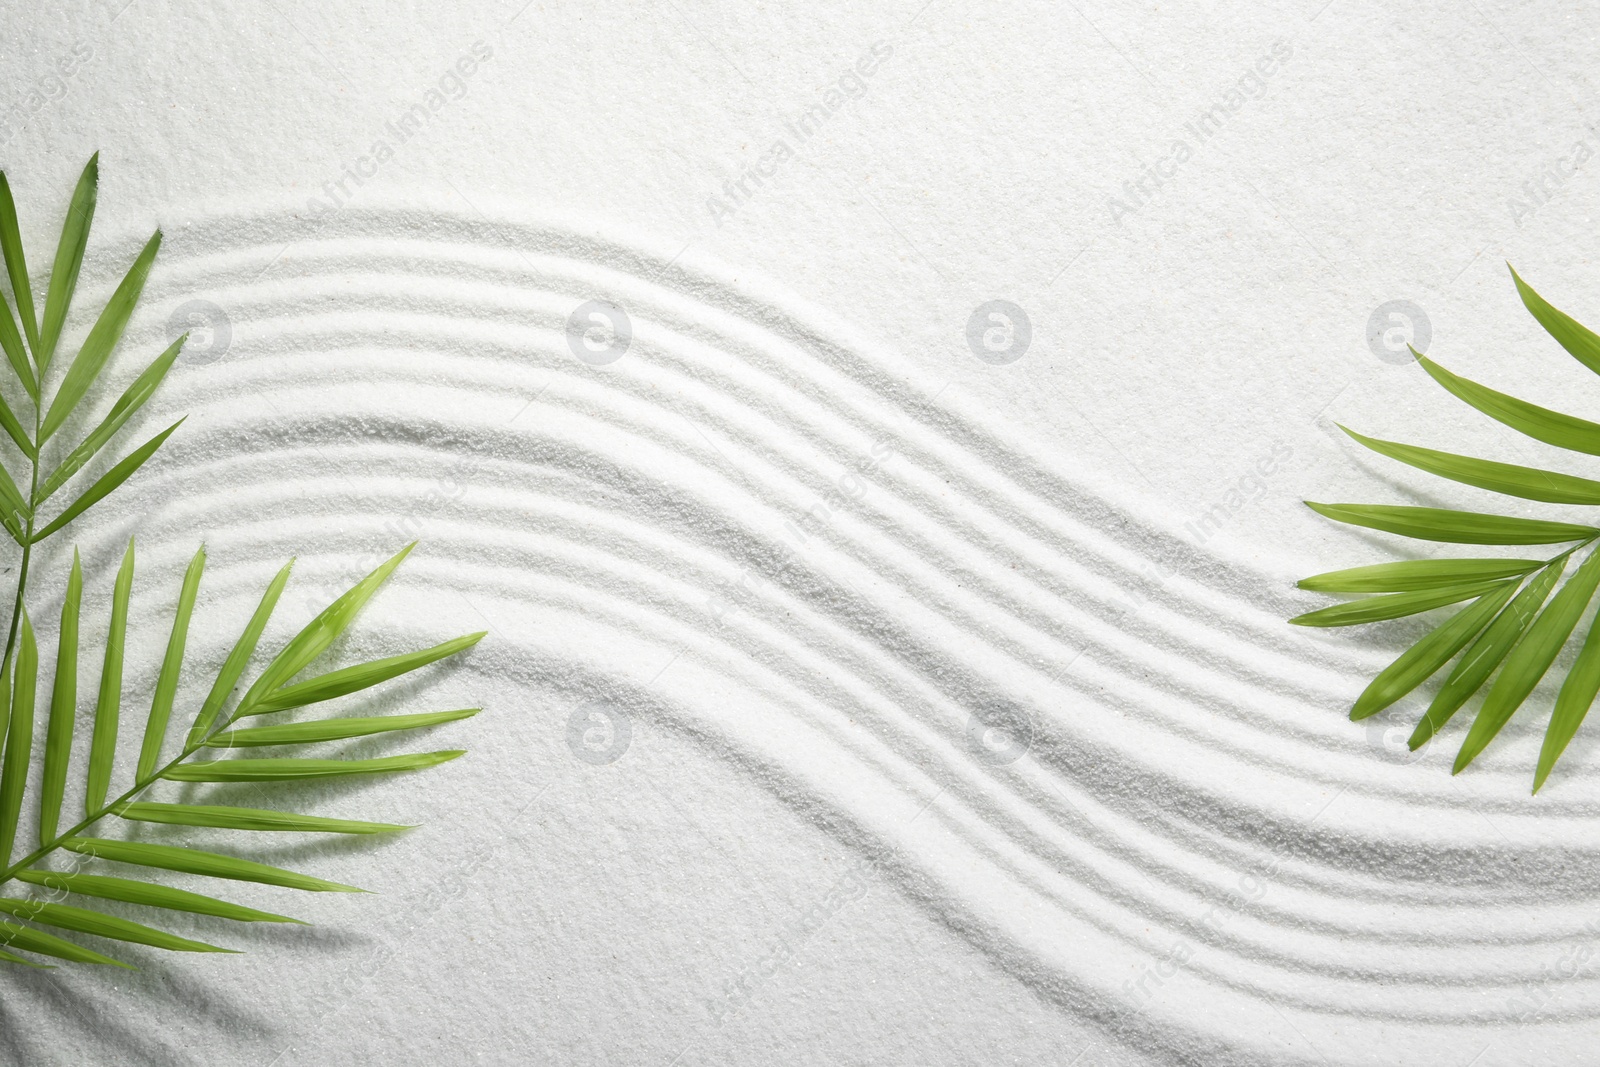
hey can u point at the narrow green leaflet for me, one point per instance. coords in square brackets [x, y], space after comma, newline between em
[63, 709]
[69, 260]
[1393, 605]
[107, 482]
[30, 940]
[319, 633]
[305, 733]
[155, 732]
[14, 430]
[19, 739]
[1573, 335]
[1485, 654]
[16, 355]
[148, 894]
[279, 770]
[1541, 424]
[1419, 662]
[1416, 574]
[17, 264]
[13, 512]
[362, 676]
[79, 920]
[1529, 483]
[1455, 527]
[108, 706]
[208, 864]
[1530, 659]
[131, 400]
[9, 957]
[103, 337]
[250, 819]
[243, 649]
[1572, 704]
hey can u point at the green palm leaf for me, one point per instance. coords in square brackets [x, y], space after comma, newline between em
[1456, 527]
[1541, 424]
[29, 341]
[1575, 337]
[1394, 605]
[278, 775]
[69, 261]
[1415, 574]
[1419, 662]
[17, 264]
[1519, 636]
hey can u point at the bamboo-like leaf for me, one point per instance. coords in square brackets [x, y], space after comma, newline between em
[14, 430]
[1455, 527]
[1416, 574]
[16, 355]
[107, 331]
[10, 957]
[250, 819]
[1485, 654]
[319, 633]
[1419, 662]
[233, 667]
[30, 940]
[69, 260]
[148, 894]
[17, 264]
[1573, 335]
[108, 706]
[1572, 704]
[19, 738]
[1541, 424]
[131, 400]
[84, 921]
[208, 864]
[107, 482]
[63, 710]
[363, 676]
[155, 732]
[1530, 659]
[13, 512]
[1530, 483]
[317, 730]
[1394, 605]
[280, 770]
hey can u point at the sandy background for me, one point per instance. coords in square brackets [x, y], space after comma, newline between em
[806, 212]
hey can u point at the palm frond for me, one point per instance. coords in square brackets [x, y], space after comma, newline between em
[1518, 613]
[216, 749]
[228, 759]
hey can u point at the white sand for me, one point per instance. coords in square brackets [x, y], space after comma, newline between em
[799, 544]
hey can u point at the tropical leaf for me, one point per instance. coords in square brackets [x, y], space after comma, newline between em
[1394, 605]
[1522, 612]
[107, 331]
[17, 264]
[1456, 527]
[1541, 424]
[1419, 662]
[29, 340]
[1485, 653]
[1416, 574]
[69, 261]
[1575, 337]
[89, 838]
